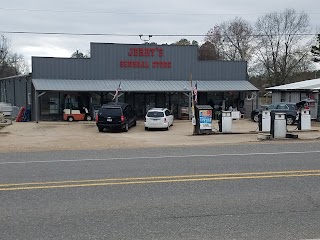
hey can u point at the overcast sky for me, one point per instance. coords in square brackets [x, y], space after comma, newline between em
[126, 17]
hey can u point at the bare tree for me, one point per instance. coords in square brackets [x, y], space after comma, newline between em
[185, 42]
[282, 49]
[4, 56]
[214, 37]
[232, 39]
[208, 51]
[10, 63]
[315, 50]
[79, 54]
[18, 63]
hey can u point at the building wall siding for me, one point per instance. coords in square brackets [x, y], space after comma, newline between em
[2, 91]
[10, 91]
[15, 91]
[276, 97]
[20, 93]
[295, 96]
[105, 59]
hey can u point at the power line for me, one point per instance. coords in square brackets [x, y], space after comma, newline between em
[71, 34]
[130, 13]
[139, 35]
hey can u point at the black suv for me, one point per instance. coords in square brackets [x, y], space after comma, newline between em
[116, 116]
[290, 109]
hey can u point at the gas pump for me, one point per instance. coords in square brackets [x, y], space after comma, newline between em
[304, 121]
[278, 125]
[225, 122]
[265, 121]
[304, 116]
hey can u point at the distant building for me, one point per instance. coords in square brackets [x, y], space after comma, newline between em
[295, 92]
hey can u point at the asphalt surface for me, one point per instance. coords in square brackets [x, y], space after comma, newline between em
[249, 191]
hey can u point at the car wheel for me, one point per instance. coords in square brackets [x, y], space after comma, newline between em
[168, 127]
[256, 117]
[290, 120]
[88, 118]
[145, 128]
[100, 129]
[135, 123]
[70, 119]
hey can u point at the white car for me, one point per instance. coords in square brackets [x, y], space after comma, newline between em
[158, 118]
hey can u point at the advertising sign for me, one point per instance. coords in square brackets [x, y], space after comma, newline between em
[140, 58]
[205, 119]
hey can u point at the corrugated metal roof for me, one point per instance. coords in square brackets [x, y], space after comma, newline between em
[313, 84]
[138, 85]
[16, 76]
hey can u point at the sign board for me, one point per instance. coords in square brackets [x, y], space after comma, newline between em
[139, 58]
[205, 117]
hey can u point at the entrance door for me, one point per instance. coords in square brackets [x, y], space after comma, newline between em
[139, 104]
[150, 101]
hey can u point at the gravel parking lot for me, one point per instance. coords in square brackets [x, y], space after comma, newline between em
[42, 136]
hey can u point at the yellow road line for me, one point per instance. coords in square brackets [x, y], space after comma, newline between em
[162, 177]
[159, 181]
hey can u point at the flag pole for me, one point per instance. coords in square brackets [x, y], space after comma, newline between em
[192, 105]
[116, 95]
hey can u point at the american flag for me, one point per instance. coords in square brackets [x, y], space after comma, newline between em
[195, 92]
[117, 91]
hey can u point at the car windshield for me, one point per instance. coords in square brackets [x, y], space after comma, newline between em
[283, 107]
[292, 106]
[272, 106]
[155, 114]
[111, 111]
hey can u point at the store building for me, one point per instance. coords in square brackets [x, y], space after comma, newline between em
[149, 76]
[298, 91]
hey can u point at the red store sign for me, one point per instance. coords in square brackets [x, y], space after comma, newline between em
[145, 52]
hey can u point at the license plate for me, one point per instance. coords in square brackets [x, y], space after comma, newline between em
[109, 120]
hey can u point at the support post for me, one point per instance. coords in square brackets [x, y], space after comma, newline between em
[257, 99]
[191, 100]
[36, 103]
[190, 105]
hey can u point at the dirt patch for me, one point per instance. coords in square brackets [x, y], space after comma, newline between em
[46, 136]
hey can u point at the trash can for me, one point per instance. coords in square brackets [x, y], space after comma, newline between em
[264, 121]
[225, 122]
[278, 125]
[304, 122]
[203, 117]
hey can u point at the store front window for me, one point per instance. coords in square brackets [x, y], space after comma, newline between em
[50, 106]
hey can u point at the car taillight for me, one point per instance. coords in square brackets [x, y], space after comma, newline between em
[165, 120]
[122, 118]
[97, 118]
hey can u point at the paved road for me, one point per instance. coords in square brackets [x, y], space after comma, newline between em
[263, 191]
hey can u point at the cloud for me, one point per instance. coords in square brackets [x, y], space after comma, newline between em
[124, 17]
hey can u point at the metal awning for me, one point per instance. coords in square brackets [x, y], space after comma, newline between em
[139, 85]
[313, 84]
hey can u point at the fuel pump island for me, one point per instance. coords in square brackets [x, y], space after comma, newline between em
[276, 122]
[271, 125]
[203, 120]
